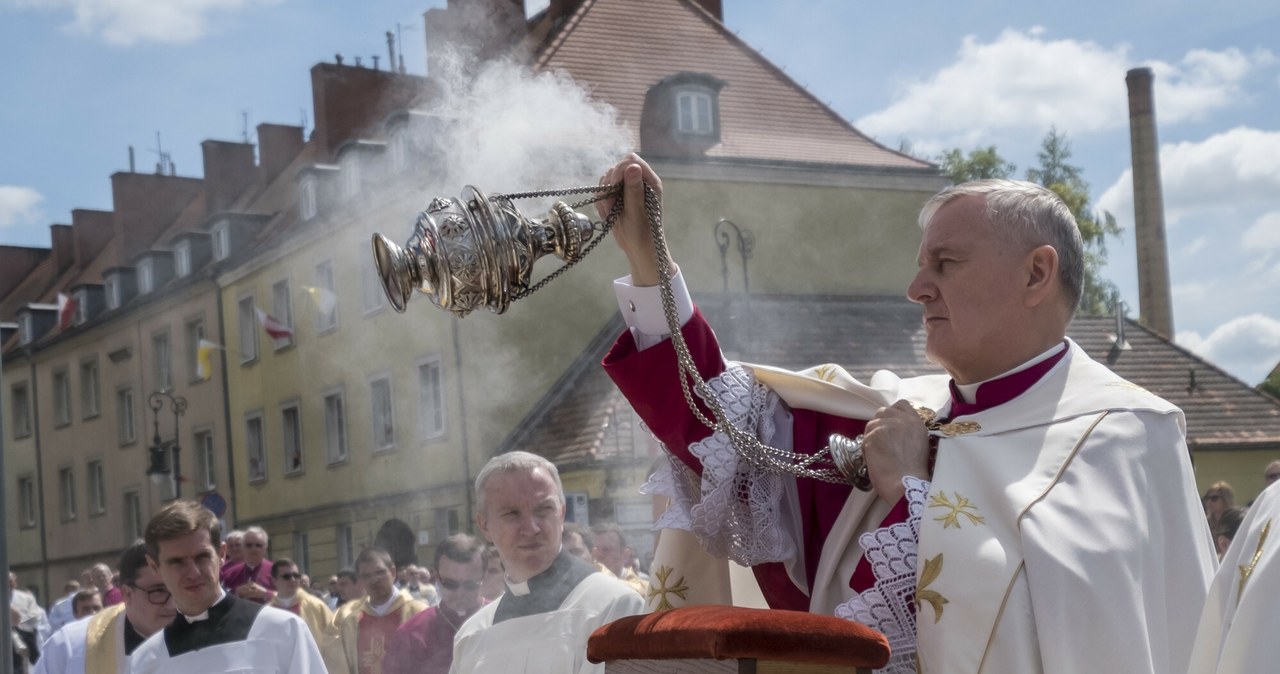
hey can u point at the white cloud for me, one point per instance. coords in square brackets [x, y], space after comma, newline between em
[127, 22]
[1248, 346]
[1219, 175]
[1264, 233]
[19, 205]
[1026, 82]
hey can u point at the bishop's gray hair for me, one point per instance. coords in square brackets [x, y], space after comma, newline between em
[1027, 215]
[513, 462]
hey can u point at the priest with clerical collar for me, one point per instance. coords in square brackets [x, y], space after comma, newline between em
[424, 644]
[251, 578]
[214, 631]
[554, 601]
[365, 625]
[101, 644]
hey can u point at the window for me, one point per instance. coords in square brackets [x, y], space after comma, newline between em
[221, 240]
[431, 398]
[346, 547]
[282, 310]
[350, 176]
[82, 307]
[254, 449]
[400, 149]
[146, 275]
[21, 404]
[26, 329]
[132, 516]
[693, 113]
[307, 198]
[384, 428]
[124, 415]
[67, 494]
[61, 397]
[27, 501]
[248, 330]
[97, 489]
[206, 470]
[89, 405]
[335, 428]
[373, 298]
[182, 259]
[115, 292]
[291, 420]
[326, 298]
[302, 550]
[195, 333]
[161, 361]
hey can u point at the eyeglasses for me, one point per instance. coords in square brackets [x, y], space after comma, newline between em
[469, 586]
[255, 545]
[290, 576]
[156, 595]
[1213, 497]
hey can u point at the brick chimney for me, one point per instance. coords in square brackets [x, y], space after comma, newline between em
[1155, 305]
[63, 244]
[16, 264]
[483, 29]
[144, 205]
[91, 231]
[278, 144]
[350, 100]
[228, 170]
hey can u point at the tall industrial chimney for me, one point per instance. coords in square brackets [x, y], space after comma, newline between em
[1155, 305]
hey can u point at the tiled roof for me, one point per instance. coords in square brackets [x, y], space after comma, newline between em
[621, 48]
[583, 416]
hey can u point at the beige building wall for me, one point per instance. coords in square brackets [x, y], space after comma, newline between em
[23, 535]
[1242, 469]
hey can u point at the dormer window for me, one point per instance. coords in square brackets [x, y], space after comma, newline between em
[681, 115]
[115, 292]
[182, 259]
[82, 306]
[400, 149]
[307, 198]
[146, 276]
[350, 176]
[221, 240]
[26, 329]
[693, 112]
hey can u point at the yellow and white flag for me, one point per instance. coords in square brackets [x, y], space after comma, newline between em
[204, 366]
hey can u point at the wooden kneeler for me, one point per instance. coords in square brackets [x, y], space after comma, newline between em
[734, 640]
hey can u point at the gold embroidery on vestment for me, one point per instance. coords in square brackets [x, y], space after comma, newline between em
[962, 506]
[950, 430]
[1246, 571]
[826, 373]
[679, 589]
[932, 569]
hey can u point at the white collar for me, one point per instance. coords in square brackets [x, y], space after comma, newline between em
[968, 392]
[385, 608]
[205, 614]
[290, 602]
[518, 589]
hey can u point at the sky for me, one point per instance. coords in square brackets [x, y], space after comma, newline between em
[81, 81]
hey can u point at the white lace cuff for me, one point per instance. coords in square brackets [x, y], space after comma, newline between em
[735, 509]
[892, 553]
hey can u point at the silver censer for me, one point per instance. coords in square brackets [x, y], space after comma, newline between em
[475, 251]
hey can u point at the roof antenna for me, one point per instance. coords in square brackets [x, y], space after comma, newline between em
[391, 52]
[164, 166]
[1118, 342]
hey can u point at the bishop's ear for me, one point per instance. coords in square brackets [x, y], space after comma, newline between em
[1042, 274]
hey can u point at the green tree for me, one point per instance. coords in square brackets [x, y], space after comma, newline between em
[1271, 385]
[1058, 174]
[981, 163]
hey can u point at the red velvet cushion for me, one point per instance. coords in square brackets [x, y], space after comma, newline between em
[723, 632]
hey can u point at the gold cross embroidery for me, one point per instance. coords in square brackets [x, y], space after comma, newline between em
[1246, 571]
[962, 506]
[679, 589]
[826, 373]
[932, 569]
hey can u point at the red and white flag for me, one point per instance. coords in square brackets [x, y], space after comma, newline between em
[275, 329]
[66, 310]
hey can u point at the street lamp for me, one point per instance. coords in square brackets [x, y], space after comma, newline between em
[159, 463]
